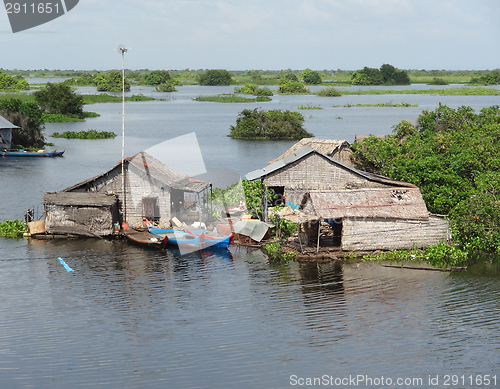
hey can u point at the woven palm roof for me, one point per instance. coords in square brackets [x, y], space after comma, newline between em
[324, 146]
[145, 165]
[390, 203]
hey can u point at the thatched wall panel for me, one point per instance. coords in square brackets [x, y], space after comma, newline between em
[390, 234]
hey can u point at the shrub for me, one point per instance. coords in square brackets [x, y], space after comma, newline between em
[329, 92]
[272, 125]
[311, 77]
[215, 77]
[292, 87]
[59, 98]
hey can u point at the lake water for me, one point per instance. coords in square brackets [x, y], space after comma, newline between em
[130, 318]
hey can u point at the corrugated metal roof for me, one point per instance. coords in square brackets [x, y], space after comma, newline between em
[306, 150]
[5, 124]
[325, 146]
[390, 203]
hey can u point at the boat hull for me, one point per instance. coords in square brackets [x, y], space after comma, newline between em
[31, 154]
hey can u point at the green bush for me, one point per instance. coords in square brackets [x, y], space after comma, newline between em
[311, 77]
[272, 125]
[292, 87]
[28, 116]
[386, 75]
[59, 98]
[329, 92]
[215, 77]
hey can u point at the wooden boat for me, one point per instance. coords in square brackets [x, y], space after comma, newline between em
[211, 241]
[177, 238]
[146, 239]
[191, 239]
[38, 154]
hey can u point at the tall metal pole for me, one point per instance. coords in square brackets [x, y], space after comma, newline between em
[122, 49]
[123, 135]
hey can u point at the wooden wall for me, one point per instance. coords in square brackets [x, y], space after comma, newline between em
[391, 234]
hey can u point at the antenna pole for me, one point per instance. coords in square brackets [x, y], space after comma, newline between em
[122, 49]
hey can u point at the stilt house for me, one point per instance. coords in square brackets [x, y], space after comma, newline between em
[6, 128]
[367, 211]
[147, 189]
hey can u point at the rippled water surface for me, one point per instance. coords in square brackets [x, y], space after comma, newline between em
[130, 318]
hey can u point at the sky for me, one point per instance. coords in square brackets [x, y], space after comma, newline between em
[261, 34]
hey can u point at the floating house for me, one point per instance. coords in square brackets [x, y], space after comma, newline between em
[6, 128]
[340, 150]
[144, 188]
[367, 211]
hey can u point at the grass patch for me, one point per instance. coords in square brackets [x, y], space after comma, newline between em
[329, 92]
[12, 228]
[465, 91]
[439, 255]
[309, 106]
[60, 118]
[89, 134]
[106, 98]
[230, 98]
[390, 104]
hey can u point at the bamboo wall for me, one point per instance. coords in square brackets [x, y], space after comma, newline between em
[391, 234]
[316, 172]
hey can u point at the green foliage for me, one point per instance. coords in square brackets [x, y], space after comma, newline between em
[311, 77]
[386, 75]
[276, 253]
[89, 134]
[309, 106]
[12, 228]
[215, 77]
[59, 98]
[283, 228]
[166, 87]
[388, 104]
[490, 78]
[329, 92]
[251, 192]
[439, 255]
[253, 89]
[112, 81]
[105, 98]
[292, 87]
[438, 81]
[28, 116]
[272, 125]
[156, 77]
[463, 91]
[9, 83]
[453, 156]
[229, 98]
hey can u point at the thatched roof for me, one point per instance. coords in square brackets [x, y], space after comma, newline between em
[390, 203]
[307, 150]
[144, 164]
[324, 146]
[360, 137]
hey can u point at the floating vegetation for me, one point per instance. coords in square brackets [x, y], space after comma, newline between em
[106, 98]
[463, 91]
[60, 118]
[231, 98]
[390, 104]
[12, 228]
[89, 134]
[329, 92]
[309, 106]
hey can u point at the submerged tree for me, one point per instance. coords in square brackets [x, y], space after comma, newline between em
[59, 98]
[215, 77]
[272, 125]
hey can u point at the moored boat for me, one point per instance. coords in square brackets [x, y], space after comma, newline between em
[146, 239]
[37, 154]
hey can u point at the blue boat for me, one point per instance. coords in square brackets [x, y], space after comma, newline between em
[37, 154]
[191, 239]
